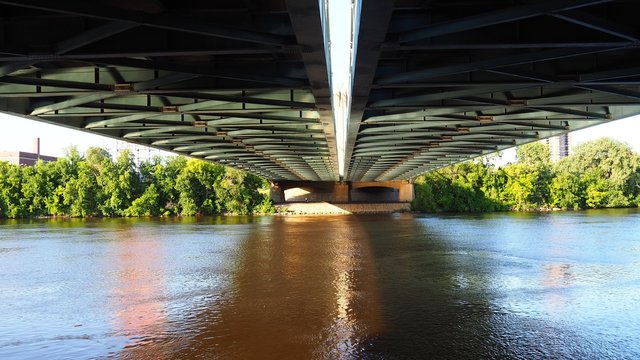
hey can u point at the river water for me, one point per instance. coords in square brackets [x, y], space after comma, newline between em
[398, 286]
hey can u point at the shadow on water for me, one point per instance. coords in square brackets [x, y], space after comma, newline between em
[434, 301]
[451, 287]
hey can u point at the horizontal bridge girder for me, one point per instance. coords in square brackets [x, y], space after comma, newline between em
[497, 62]
[168, 21]
[496, 17]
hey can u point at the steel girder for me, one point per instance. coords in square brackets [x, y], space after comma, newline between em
[455, 80]
[239, 83]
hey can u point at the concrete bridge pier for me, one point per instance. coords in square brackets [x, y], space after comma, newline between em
[342, 192]
[406, 192]
[276, 193]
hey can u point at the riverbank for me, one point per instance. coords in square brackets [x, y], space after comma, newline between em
[325, 208]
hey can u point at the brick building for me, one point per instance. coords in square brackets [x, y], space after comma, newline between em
[26, 158]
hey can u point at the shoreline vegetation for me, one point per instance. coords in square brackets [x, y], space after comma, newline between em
[603, 173]
[96, 185]
[600, 174]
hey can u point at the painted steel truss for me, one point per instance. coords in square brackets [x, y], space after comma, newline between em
[238, 83]
[452, 80]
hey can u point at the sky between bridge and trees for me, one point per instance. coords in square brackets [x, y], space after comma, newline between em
[18, 133]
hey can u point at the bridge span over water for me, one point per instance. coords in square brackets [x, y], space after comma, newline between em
[246, 84]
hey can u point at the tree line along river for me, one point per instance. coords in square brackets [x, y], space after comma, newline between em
[600, 174]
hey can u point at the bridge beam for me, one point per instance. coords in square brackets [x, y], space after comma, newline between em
[307, 25]
[374, 22]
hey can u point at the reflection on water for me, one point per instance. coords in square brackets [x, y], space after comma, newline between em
[138, 282]
[300, 289]
[346, 287]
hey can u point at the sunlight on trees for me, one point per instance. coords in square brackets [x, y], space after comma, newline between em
[600, 174]
[94, 184]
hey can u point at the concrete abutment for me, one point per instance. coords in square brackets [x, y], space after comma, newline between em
[342, 192]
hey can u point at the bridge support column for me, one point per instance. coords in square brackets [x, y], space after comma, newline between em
[276, 193]
[341, 192]
[406, 192]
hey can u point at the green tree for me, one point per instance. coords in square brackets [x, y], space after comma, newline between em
[145, 205]
[62, 171]
[535, 153]
[195, 185]
[37, 185]
[97, 158]
[529, 180]
[4, 168]
[466, 186]
[95, 185]
[567, 191]
[165, 178]
[493, 186]
[238, 192]
[81, 192]
[609, 171]
[10, 194]
[120, 183]
[520, 190]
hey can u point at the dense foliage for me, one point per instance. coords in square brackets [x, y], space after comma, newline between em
[599, 174]
[95, 184]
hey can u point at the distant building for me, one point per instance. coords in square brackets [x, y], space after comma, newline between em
[26, 158]
[559, 146]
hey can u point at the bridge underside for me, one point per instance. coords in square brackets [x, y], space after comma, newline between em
[245, 83]
[242, 83]
[442, 81]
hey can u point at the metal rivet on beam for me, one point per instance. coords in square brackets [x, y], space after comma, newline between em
[169, 109]
[123, 87]
[518, 102]
[200, 123]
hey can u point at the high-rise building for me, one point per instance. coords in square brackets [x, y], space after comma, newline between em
[559, 146]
